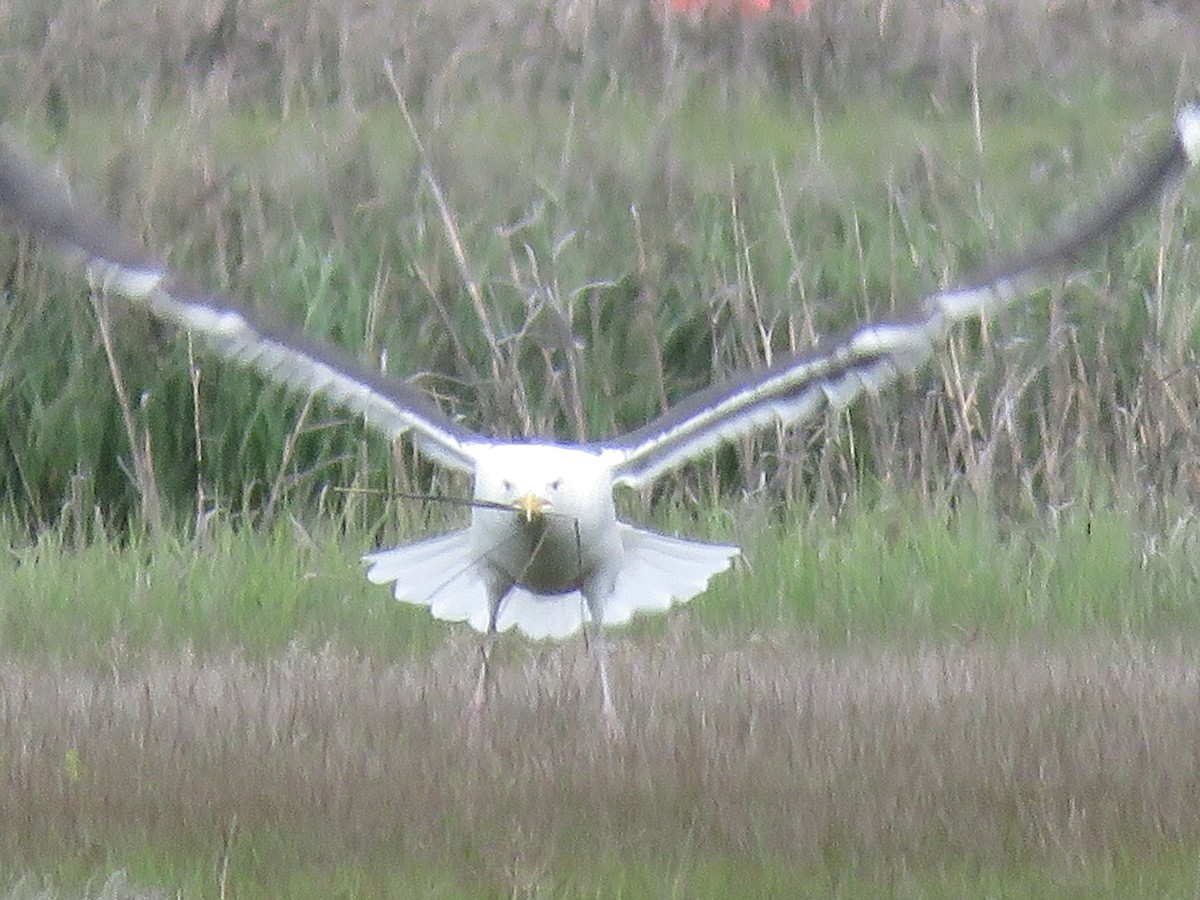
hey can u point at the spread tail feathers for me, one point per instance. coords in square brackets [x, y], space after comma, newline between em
[657, 572]
[439, 573]
[660, 571]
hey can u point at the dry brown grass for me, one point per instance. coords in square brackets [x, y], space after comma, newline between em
[782, 747]
[291, 54]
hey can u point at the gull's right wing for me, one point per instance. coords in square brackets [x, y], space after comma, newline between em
[116, 264]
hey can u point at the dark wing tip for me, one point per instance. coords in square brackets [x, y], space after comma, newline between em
[43, 204]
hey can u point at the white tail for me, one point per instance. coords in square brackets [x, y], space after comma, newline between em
[440, 573]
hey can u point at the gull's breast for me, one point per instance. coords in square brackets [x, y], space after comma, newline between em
[552, 556]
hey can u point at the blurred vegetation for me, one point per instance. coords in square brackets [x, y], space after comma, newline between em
[643, 204]
[914, 698]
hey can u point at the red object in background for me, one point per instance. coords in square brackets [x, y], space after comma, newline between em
[738, 7]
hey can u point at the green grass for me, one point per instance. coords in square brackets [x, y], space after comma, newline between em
[891, 576]
[958, 660]
[89, 598]
[891, 568]
[1171, 874]
[356, 266]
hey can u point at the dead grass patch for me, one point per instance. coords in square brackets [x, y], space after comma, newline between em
[780, 747]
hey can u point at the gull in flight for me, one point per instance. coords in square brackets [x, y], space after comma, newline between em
[544, 551]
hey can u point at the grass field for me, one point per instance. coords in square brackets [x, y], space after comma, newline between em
[960, 658]
[911, 702]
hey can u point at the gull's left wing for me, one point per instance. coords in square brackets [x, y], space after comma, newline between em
[872, 356]
[115, 263]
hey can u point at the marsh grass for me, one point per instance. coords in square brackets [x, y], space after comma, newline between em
[604, 246]
[253, 708]
[885, 567]
[588, 346]
[957, 658]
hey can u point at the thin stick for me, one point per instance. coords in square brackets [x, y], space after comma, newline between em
[143, 467]
[452, 233]
[289, 448]
[439, 498]
[194, 374]
[226, 851]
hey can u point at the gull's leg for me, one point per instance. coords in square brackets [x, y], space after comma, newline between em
[600, 648]
[595, 632]
[483, 684]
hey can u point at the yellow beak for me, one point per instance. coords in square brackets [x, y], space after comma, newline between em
[531, 506]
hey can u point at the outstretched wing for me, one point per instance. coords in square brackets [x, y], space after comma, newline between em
[115, 263]
[870, 357]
